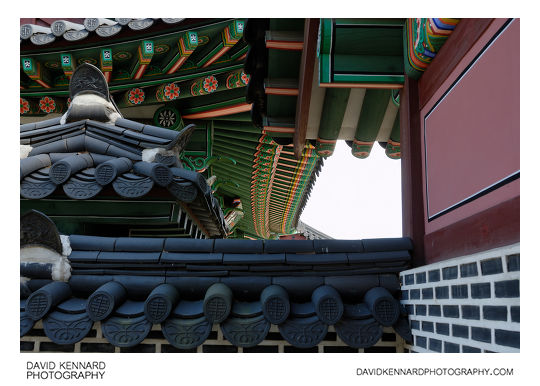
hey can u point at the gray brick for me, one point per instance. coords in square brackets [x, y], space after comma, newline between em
[420, 341]
[451, 347]
[435, 345]
[491, 266]
[434, 275]
[414, 294]
[420, 309]
[481, 334]
[495, 313]
[460, 331]
[512, 262]
[507, 338]
[470, 312]
[470, 349]
[514, 313]
[415, 325]
[427, 293]
[409, 279]
[468, 270]
[420, 278]
[450, 273]
[442, 292]
[507, 289]
[442, 328]
[427, 326]
[460, 291]
[451, 311]
[434, 310]
[480, 290]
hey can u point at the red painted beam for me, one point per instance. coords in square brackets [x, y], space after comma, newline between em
[412, 206]
[492, 228]
[307, 67]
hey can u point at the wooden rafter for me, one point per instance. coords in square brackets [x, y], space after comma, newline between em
[145, 52]
[186, 46]
[36, 72]
[307, 65]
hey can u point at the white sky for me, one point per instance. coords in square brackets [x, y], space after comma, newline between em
[356, 198]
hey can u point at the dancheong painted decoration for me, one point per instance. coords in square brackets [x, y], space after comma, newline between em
[166, 160]
[238, 82]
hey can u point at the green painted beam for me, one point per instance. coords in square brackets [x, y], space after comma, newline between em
[241, 136]
[393, 146]
[226, 142]
[225, 147]
[369, 123]
[128, 84]
[114, 207]
[238, 157]
[334, 106]
[236, 126]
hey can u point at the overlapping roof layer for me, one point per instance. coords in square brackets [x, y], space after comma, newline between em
[188, 285]
[171, 73]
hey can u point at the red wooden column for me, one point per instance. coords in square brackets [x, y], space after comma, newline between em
[412, 206]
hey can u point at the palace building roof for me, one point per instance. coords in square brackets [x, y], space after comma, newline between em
[187, 285]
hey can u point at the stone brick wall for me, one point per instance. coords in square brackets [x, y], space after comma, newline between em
[465, 304]
[37, 341]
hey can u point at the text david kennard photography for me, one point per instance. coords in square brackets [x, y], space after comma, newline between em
[65, 370]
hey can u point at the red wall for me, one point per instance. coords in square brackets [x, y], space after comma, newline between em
[460, 144]
[470, 130]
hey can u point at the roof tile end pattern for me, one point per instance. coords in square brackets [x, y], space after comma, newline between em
[85, 156]
[122, 292]
[41, 35]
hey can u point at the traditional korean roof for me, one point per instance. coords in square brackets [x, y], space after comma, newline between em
[329, 79]
[92, 151]
[264, 118]
[187, 285]
[310, 233]
[171, 75]
[170, 62]
[272, 185]
[45, 31]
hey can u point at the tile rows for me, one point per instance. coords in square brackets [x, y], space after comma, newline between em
[466, 304]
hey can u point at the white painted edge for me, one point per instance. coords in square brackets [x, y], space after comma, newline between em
[388, 121]
[352, 114]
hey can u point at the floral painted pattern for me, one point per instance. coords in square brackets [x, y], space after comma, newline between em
[87, 60]
[210, 84]
[161, 49]
[123, 55]
[245, 78]
[136, 96]
[53, 65]
[47, 105]
[25, 106]
[172, 91]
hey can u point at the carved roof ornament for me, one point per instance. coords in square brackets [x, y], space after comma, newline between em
[39, 230]
[90, 96]
[86, 78]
